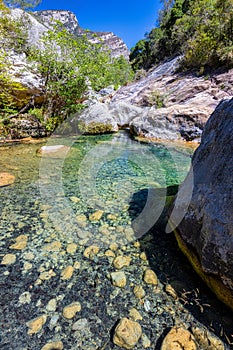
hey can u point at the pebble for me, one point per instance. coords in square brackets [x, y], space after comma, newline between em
[36, 324]
[96, 216]
[29, 256]
[104, 231]
[127, 333]
[75, 199]
[81, 218]
[52, 247]
[206, 340]
[121, 261]
[113, 247]
[146, 343]
[57, 345]
[179, 339]
[109, 253]
[171, 291]
[8, 259]
[118, 279]
[71, 248]
[70, 311]
[46, 275]
[143, 256]
[77, 265]
[80, 325]
[112, 217]
[139, 292]
[20, 243]
[91, 251]
[150, 277]
[25, 298]
[135, 315]
[6, 179]
[67, 273]
[52, 305]
[137, 244]
[27, 266]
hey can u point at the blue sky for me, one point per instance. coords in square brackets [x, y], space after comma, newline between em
[129, 19]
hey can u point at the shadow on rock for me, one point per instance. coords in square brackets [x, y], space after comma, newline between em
[179, 281]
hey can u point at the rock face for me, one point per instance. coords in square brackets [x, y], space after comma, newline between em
[113, 115]
[26, 126]
[70, 22]
[67, 18]
[207, 227]
[180, 105]
[172, 123]
[112, 42]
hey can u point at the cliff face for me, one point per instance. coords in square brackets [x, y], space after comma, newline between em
[70, 22]
[67, 18]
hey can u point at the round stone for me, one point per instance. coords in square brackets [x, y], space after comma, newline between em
[179, 339]
[6, 179]
[127, 333]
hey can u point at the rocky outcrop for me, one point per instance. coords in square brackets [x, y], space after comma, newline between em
[49, 17]
[113, 115]
[180, 104]
[206, 231]
[70, 22]
[172, 123]
[25, 126]
[165, 86]
[113, 42]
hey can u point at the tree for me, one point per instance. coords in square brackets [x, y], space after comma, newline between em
[69, 64]
[200, 30]
[11, 37]
[24, 4]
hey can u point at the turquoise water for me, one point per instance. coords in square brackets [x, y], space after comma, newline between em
[97, 192]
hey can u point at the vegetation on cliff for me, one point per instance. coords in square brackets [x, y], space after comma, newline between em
[200, 30]
[12, 37]
[69, 66]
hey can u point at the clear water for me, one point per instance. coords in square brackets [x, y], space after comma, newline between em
[112, 177]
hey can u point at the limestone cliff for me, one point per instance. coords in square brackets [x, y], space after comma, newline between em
[70, 22]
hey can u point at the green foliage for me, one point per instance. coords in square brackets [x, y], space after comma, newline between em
[9, 34]
[22, 3]
[13, 33]
[8, 89]
[70, 65]
[156, 99]
[201, 30]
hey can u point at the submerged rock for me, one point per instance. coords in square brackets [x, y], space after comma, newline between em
[179, 338]
[206, 231]
[127, 333]
[56, 151]
[6, 179]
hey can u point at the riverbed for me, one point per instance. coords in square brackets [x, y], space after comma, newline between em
[66, 219]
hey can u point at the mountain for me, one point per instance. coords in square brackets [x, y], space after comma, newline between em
[70, 22]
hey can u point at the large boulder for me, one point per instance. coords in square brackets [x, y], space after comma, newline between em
[108, 117]
[206, 232]
[180, 103]
[177, 122]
